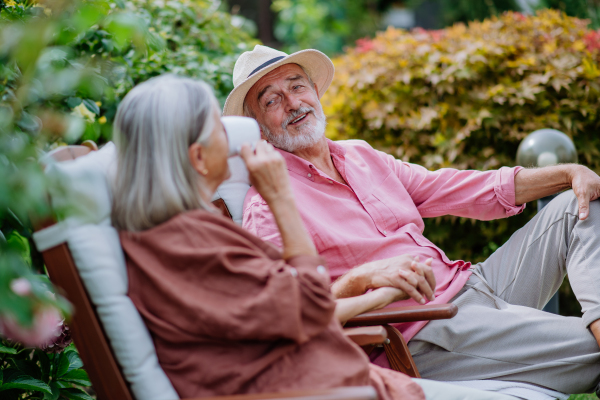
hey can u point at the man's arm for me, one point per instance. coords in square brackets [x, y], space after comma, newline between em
[533, 184]
[482, 195]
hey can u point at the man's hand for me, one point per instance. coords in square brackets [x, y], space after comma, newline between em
[404, 272]
[586, 186]
[535, 183]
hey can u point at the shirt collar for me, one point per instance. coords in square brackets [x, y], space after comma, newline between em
[301, 166]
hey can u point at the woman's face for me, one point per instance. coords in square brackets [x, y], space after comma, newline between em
[212, 160]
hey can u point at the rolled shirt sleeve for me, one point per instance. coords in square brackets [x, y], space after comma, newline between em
[483, 195]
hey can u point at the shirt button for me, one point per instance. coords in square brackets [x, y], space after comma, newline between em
[330, 181]
[385, 232]
[321, 269]
[293, 272]
[309, 175]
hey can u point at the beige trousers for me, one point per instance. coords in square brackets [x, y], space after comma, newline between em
[500, 331]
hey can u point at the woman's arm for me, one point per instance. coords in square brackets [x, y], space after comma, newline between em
[269, 175]
[352, 306]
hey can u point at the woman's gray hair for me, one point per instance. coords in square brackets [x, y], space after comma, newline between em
[155, 125]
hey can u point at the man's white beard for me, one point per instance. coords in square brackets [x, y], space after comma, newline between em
[308, 135]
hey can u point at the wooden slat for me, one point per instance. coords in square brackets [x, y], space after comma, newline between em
[398, 354]
[366, 335]
[66, 153]
[395, 315]
[88, 335]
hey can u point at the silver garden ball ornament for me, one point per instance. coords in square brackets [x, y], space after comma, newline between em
[546, 147]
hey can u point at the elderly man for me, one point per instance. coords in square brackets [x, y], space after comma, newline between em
[365, 210]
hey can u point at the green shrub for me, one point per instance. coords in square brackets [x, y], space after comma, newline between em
[465, 97]
[64, 67]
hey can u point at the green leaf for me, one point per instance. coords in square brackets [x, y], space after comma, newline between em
[61, 365]
[75, 394]
[7, 350]
[68, 361]
[77, 376]
[73, 102]
[92, 106]
[1, 377]
[25, 382]
[55, 391]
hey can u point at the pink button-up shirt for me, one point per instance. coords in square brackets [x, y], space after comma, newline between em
[379, 214]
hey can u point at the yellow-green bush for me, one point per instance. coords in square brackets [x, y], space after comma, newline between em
[466, 96]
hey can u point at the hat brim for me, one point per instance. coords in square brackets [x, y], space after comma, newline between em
[317, 65]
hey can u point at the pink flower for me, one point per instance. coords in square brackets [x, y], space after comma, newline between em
[592, 40]
[47, 325]
[20, 286]
[364, 45]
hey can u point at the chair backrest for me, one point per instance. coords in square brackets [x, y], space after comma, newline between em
[83, 255]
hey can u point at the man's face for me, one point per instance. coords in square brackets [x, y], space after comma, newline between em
[287, 108]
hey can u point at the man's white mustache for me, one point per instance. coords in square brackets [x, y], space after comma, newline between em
[295, 114]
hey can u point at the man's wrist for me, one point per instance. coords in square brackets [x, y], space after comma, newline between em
[571, 170]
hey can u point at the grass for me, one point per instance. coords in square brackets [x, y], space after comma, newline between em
[583, 397]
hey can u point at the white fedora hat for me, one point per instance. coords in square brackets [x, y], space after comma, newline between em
[253, 65]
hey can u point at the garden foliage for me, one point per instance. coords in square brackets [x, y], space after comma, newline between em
[465, 97]
[41, 375]
[327, 26]
[64, 67]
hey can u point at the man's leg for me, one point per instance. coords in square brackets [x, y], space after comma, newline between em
[499, 332]
[530, 267]
[445, 391]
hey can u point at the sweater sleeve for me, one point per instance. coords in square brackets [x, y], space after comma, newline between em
[212, 282]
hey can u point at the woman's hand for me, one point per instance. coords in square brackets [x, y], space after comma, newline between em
[268, 172]
[269, 176]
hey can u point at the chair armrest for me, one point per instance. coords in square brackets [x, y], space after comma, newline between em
[395, 315]
[343, 393]
[366, 335]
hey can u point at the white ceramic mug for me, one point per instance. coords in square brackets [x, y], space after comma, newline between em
[240, 130]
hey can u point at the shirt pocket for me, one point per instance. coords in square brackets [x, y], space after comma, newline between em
[384, 201]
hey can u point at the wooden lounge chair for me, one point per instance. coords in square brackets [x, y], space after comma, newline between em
[106, 373]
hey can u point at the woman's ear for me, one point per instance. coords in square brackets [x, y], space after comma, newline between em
[195, 152]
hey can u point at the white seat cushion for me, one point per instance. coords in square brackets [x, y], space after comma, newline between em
[81, 193]
[233, 190]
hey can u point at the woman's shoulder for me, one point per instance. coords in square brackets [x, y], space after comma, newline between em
[196, 229]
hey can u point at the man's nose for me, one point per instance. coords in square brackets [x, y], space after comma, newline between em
[292, 103]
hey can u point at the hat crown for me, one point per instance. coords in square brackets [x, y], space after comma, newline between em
[249, 61]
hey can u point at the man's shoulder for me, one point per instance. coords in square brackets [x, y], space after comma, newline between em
[253, 200]
[354, 144]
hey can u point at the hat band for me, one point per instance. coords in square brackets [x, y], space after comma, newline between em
[271, 61]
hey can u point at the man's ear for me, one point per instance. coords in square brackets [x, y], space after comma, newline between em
[195, 154]
[316, 89]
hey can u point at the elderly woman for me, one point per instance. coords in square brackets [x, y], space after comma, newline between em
[228, 313]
